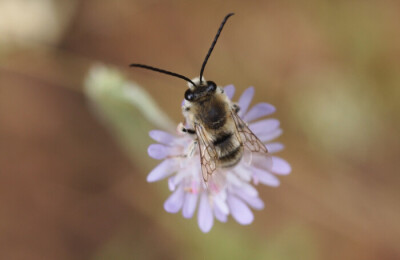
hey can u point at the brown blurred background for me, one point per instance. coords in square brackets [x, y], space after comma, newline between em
[68, 190]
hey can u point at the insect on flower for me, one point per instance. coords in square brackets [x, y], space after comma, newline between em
[220, 133]
[217, 153]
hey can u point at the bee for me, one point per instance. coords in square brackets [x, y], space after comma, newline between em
[221, 135]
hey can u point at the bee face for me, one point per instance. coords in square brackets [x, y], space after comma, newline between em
[200, 92]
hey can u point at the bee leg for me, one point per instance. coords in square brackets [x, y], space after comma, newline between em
[189, 131]
[185, 130]
[236, 108]
[191, 149]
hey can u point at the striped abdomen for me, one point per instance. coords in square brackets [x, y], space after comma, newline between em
[215, 116]
[228, 148]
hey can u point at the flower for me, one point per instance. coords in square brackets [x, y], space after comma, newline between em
[231, 191]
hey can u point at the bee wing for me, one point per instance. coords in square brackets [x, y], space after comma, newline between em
[208, 154]
[246, 137]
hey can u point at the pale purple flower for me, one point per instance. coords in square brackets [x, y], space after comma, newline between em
[231, 191]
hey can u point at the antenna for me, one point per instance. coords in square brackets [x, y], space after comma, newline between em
[162, 71]
[213, 44]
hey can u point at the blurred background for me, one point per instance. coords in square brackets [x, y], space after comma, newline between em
[73, 172]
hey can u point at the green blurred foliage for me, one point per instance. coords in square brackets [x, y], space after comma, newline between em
[126, 108]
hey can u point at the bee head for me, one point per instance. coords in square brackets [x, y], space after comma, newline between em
[203, 89]
[199, 88]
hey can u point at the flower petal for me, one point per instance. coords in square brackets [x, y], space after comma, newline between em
[275, 147]
[266, 137]
[205, 216]
[254, 202]
[229, 91]
[220, 215]
[179, 176]
[239, 210]
[164, 169]
[259, 110]
[161, 136]
[171, 183]
[245, 100]
[265, 177]
[220, 203]
[157, 151]
[262, 161]
[234, 180]
[189, 205]
[242, 171]
[264, 126]
[174, 203]
[248, 189]
[280, 166]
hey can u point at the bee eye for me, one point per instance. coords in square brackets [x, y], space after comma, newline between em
[189, 95]
[211, 86]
